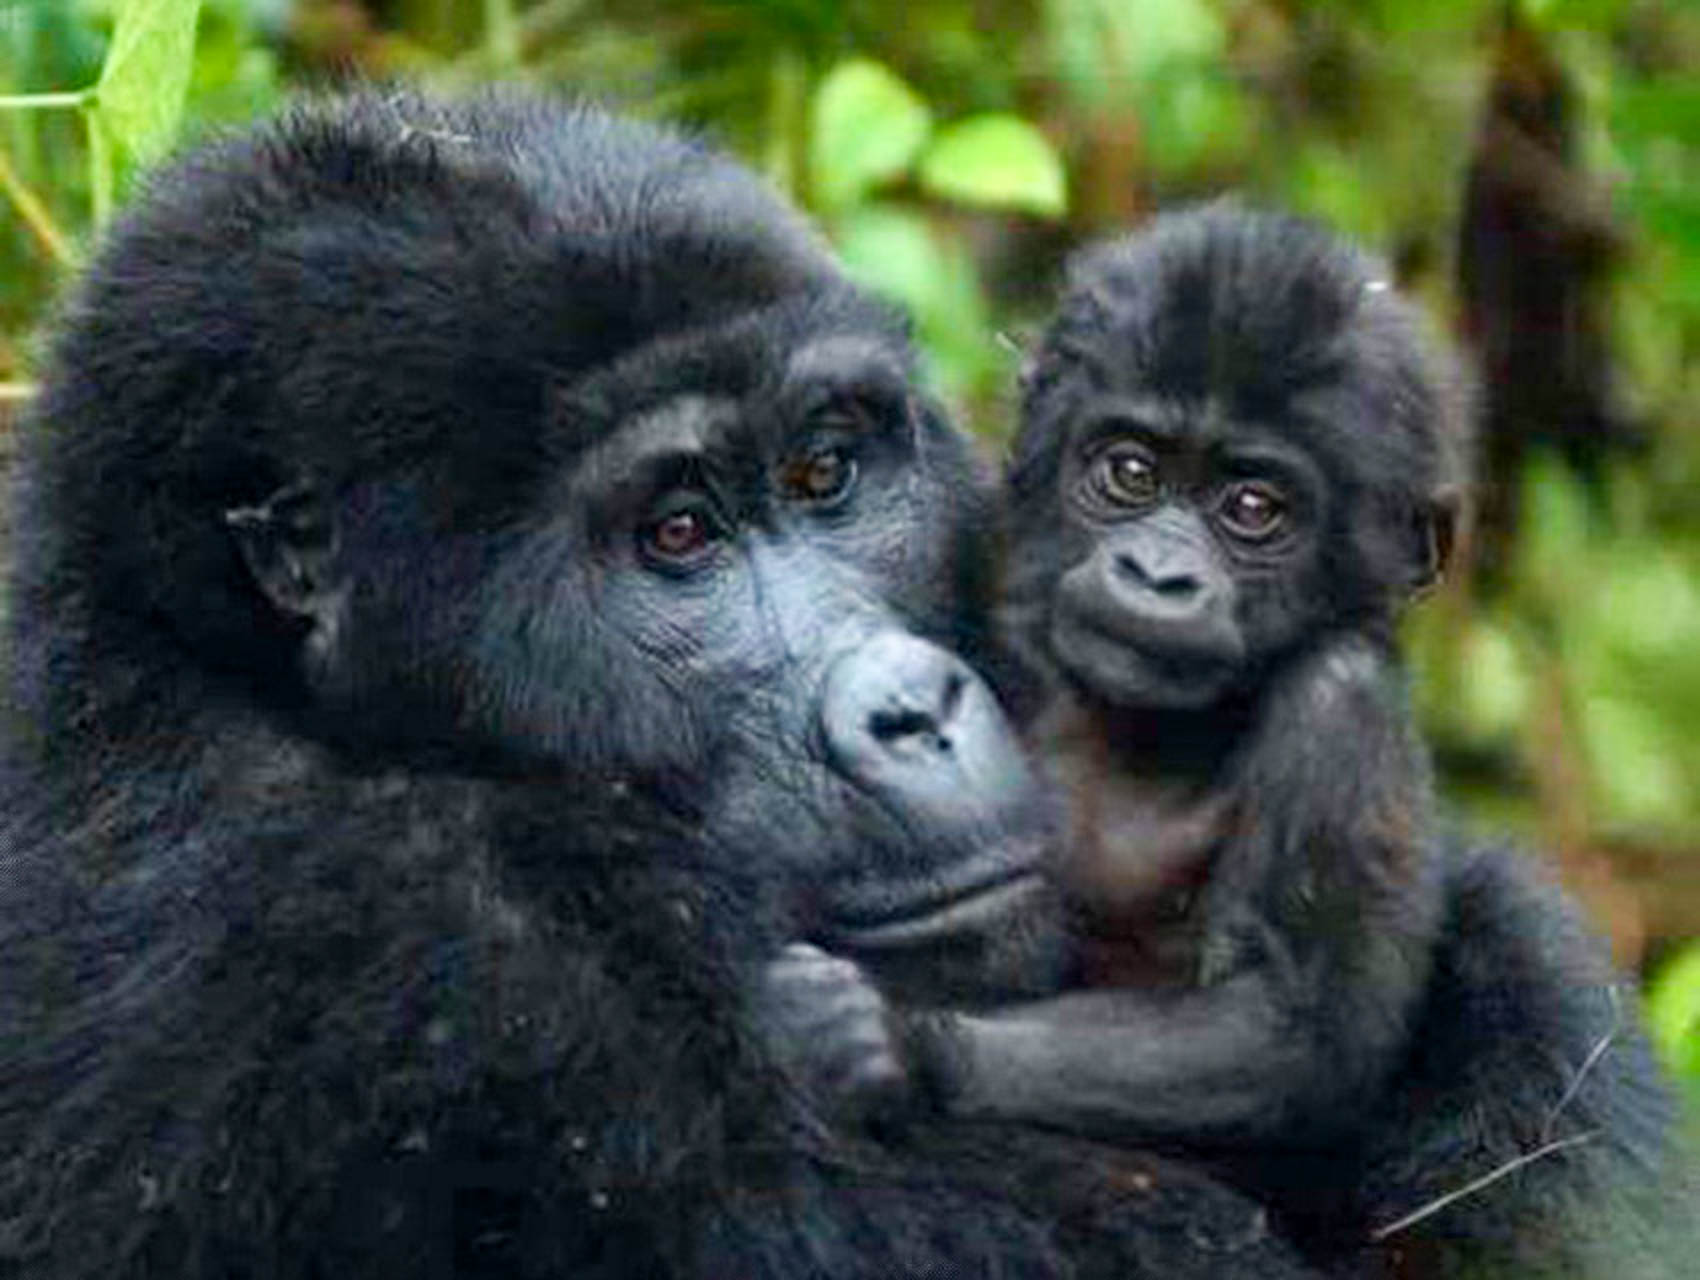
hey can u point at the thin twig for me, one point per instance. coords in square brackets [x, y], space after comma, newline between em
[1590, 1062]
[1487, 1179]
[35, 215]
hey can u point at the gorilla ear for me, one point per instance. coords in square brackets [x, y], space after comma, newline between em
[288, 544]
[1437, 538]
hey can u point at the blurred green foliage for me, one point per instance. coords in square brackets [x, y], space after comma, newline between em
[955, 150]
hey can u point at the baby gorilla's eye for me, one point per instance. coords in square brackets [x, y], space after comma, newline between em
[1125, 479]
[677, 538]
[821, 476]
[1254, 512]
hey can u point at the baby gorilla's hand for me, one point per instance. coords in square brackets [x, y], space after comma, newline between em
[831, 1032]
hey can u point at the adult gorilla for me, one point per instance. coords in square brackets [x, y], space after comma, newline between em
[477, 576]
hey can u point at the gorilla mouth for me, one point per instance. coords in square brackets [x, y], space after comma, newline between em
[970, 899]
[1126, 673]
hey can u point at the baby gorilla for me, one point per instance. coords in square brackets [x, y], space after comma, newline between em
[1237, 459]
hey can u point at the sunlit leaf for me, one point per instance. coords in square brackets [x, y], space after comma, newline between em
[145, 80]
[1673, 1014]
[1166, 31]
[1494, 685]
[897, 254]
[996, 162]
[867, 128]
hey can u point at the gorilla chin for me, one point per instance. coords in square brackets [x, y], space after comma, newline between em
[983, 932]
[1109, 670]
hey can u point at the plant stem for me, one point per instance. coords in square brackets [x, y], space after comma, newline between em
[100, 168]
[35, 215]
[43, 101]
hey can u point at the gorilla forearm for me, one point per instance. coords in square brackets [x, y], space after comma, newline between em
[1218, 1065]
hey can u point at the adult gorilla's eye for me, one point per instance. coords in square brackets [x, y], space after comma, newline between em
[1253, 511]
[1125, 479]
[677, 538]
[821, 476]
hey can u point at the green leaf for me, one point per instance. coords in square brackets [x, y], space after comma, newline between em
[895, 253]
[145, 80]
[1494, 691]
[1107, 49]
[1635, 763]
[1556, 534]
[867, 127]
[1194, 117]
[1661, 108]
[996, 162]
[1673, 1014]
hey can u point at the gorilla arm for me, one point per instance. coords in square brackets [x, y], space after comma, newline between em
[1307, 948]
[1315, 928]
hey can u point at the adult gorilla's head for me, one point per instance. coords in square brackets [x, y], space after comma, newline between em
[500, 442]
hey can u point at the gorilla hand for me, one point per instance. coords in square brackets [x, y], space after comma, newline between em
[832, 1034]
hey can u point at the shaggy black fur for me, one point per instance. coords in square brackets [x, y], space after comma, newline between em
[1237, 459]
[475, 599]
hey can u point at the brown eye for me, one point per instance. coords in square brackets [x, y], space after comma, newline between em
[1125, 480]
[1254, 512]
[822, 476]
[678, 536]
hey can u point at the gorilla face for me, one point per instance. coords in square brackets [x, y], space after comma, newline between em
[725, 572]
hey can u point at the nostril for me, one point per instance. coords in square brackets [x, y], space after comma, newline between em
[1176, 585]
[1171, 584]
[892, 726]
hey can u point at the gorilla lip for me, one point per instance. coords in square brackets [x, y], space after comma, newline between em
[955, 910]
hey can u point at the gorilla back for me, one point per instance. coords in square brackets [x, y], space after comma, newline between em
[478, 589]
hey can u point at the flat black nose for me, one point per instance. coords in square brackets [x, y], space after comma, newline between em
[905, 719]
[895, 695]
[1170, 577]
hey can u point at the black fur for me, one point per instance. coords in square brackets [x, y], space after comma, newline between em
[445, 667]
[1292, 967]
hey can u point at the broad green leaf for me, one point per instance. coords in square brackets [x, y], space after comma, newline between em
[894, 253]
[1673, 1014]
[996, 162]
[867, 127]
[145, 80]
[897, 254]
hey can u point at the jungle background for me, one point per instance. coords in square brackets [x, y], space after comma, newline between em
[1530, 167]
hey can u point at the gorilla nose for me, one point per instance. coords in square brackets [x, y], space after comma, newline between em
[1162, 578]
[914, 724]
[917, 716]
